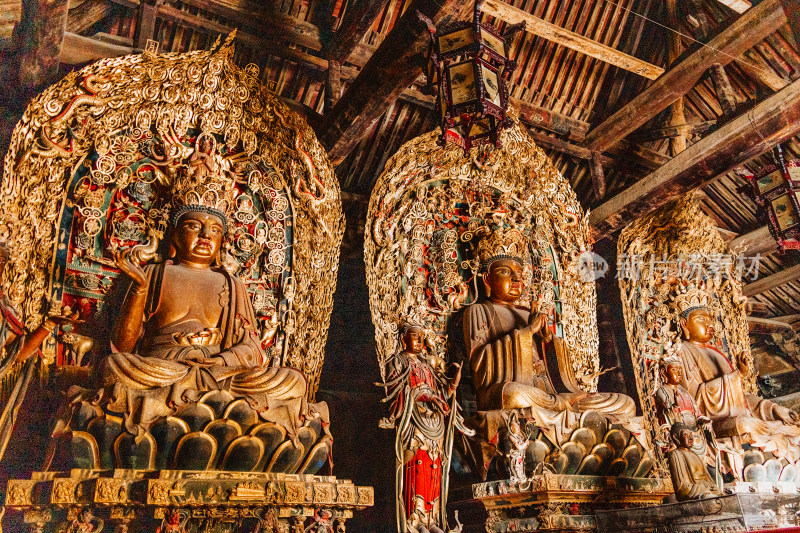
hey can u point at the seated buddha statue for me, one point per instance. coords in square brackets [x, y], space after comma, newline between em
[186, 326]
[501, 341]
[690, 478]
[718, 389]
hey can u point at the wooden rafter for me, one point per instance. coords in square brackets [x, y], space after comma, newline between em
[770, 122]
[758, 241]
[748, 30]
[572, 40]
[392, 69]
[774, 281]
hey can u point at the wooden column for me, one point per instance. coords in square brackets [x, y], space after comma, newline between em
[333, 84]
[677, 117]
[37, 40]
[598, 178]
[147, 24]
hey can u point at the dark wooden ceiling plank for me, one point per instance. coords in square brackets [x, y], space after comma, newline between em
[732, 42]
[357, 21]
[770, 122]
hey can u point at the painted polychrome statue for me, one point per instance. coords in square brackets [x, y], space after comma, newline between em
[714, 380]
[425, 415]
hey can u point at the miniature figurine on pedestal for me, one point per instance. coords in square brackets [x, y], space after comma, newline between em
[690, 478]
[425, 414]
[518, 440]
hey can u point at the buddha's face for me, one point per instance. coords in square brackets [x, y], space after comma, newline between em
[197, 238]
[414, 340]
[673, 373]
[503, 281]
[698, 326]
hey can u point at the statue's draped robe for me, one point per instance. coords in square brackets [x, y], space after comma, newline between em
[689, 475]
[719, 393]
[156, 379]
[510, 374]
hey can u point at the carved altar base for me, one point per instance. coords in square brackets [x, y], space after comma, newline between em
[180, 501]
[551, 502]
[762, 506]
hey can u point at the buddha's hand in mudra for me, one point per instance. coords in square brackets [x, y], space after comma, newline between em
[130, 268]
[538, 322]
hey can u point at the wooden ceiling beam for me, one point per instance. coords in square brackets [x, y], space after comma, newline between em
[87, 14]
[774, 281]
[357, 21]
[770, 122]
[758, 241]
[531, 114]
[748, 30]
[78, 49]
[391, 70]
[569, 39]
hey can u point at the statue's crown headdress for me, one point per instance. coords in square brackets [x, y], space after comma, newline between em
[501, 243]
[690, 298]
[206, 192]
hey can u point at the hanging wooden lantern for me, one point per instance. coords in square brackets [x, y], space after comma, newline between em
[468, 64]
[777, 189]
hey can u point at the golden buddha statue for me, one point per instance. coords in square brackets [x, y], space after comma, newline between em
[717, 387]
[501, 342]
[186, 326]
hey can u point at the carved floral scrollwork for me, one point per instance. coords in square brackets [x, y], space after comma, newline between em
[425, 214]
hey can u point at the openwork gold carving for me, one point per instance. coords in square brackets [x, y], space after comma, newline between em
[93, 162]
[19, 492]
[429, 205]
[323, 493]
[345, 494]
[366, 496]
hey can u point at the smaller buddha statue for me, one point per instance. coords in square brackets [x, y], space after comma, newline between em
[518, 442]
[425, 414]
[690, 478]
[718, 390]
[675, 404]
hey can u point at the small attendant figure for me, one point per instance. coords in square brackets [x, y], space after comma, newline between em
[516, 453]
[425, 415]
[690, 478]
